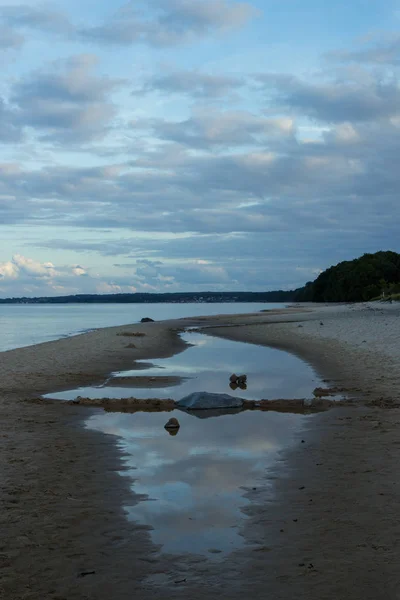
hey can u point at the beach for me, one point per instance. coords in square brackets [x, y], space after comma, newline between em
[329, 530]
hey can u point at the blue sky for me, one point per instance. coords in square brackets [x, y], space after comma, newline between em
[171, 145]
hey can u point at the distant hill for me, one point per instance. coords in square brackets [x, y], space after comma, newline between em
[356, 280]
[178, 298]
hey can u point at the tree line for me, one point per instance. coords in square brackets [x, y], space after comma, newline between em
[369, 277]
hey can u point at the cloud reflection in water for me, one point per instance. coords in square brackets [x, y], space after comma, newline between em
[194, 481]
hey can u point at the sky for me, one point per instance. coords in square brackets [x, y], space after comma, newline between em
[195, 145]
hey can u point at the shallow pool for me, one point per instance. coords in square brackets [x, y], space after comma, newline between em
[207, 365]
[193, 486]
[195, 482]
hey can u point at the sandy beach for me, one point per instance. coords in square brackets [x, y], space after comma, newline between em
[329, 530]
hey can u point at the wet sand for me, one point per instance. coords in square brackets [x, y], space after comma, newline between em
[329, 530]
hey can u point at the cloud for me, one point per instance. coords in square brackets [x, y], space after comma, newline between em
[334, 101]
[192, 83]
[9, 38]
[9, 130]
[28, 16]
[170, 22]
[29, 266]
[68, 102]
[385, 52]
[26, 276]
[208, 128]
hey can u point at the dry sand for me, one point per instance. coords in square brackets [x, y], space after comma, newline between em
[330, 528]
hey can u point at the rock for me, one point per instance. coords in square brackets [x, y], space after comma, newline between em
[233, 378]
[172, 424]
[241, 379]
[147, 320]
[207, 400]
[233, 385]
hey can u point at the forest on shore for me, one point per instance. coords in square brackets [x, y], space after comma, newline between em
[370, 277]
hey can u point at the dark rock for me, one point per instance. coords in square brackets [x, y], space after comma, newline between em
[207, 400]
[172, 424]
[147, 320]
[233, 378]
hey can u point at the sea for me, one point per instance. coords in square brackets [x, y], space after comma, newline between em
[27, 324]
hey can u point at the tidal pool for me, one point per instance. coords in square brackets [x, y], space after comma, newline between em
[195, 482]
[193, 485]
[207, 365]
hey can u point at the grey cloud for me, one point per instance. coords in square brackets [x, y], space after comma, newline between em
[174, 22]
[35, 17]
[335, 101]
[9, 131]
[192, 83]
[10, 39]
[219, 128]
[67, 103]
[384, 53]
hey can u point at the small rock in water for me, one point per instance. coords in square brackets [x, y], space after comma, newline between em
[147, 320]
[233, 378]
[172, 424]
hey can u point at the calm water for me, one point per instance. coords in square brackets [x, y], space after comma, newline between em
[24, 325]
[207, 365]
[195, 483]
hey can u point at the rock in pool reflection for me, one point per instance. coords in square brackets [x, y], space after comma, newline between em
[195, 477]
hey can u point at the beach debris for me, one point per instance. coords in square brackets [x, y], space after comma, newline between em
[319, 392]
[147, 320]
[238, 381]
[208, 400]
[128, 404]
[321, 323]
[299, 405]
[131, 334]
[172, 424]
[85, 573]
[180, 581]
[238, 378]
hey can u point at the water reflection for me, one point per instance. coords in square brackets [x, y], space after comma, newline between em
[207, 365]
[194, 480]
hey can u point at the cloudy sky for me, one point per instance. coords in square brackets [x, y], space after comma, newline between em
[168, 145]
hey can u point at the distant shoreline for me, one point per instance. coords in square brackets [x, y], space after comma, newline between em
[279, 296]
